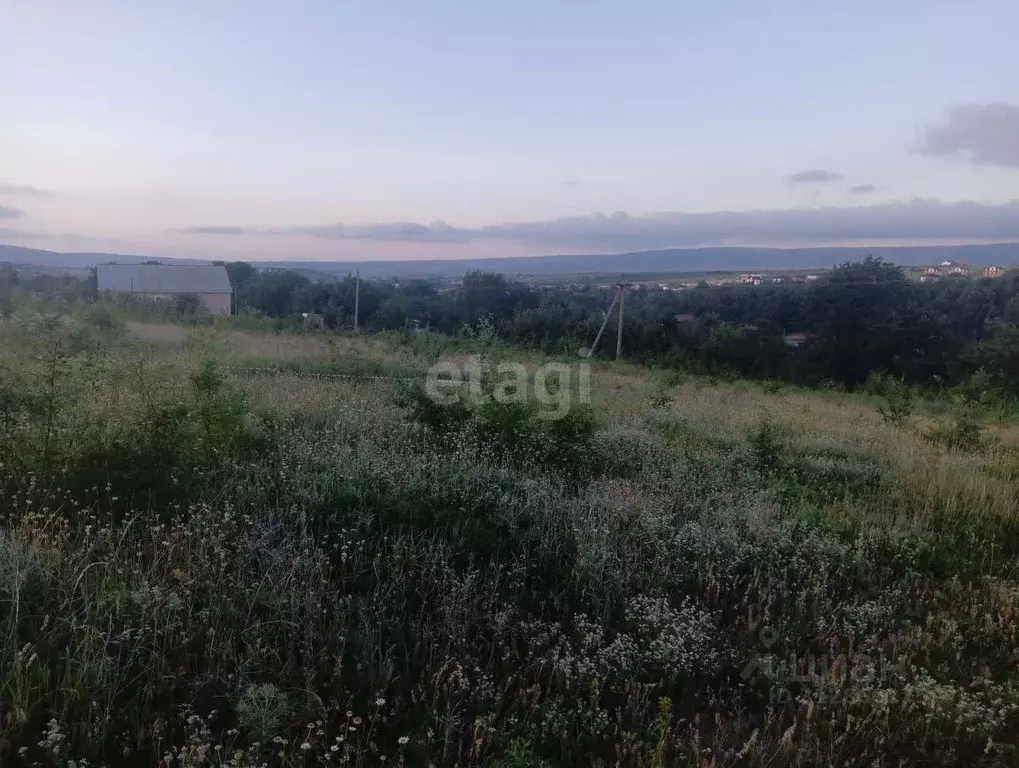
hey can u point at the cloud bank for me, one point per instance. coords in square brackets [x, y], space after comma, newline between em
[863, 189]
[984, 134]
[813, 177]
[217, 230]
[20, 234]
[910, 221]
[23, 190]
[6, 212]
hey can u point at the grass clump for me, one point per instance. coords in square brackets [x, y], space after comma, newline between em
[519, 755]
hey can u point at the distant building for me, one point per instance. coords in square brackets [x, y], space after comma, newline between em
[209, 282]
[313, 320]
[795, 339]
[930, 274]
[993, 271]
[953, 269]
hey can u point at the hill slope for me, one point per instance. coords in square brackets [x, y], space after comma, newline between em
[666, 260]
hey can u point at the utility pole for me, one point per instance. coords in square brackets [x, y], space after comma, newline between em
[357, 298]
[619, 333]
[604, 323]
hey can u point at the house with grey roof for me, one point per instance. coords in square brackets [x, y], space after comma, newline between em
[209, 282]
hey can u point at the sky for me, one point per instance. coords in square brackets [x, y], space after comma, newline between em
[350, 130]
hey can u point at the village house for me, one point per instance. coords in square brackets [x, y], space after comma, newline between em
[954, 269]
[210, 283]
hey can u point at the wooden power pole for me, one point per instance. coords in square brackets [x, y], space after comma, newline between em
[604, 323]
[357, 299]
[619, 332]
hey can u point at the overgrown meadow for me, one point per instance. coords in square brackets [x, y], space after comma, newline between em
[235, 548]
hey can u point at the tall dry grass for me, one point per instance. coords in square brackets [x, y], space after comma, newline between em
[208, 566]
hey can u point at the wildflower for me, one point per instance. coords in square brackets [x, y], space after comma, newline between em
[403, 740]
[380, 702]
[305, 746]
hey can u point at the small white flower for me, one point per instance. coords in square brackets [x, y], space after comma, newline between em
[403, 740]
[305, 747]
[380, 702]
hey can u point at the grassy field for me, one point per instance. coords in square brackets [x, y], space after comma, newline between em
[230, 548]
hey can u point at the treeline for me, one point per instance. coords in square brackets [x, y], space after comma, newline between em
[862, 318]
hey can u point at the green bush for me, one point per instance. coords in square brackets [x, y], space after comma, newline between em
[899, 403]
[767, 449]
[262, 711]
[964, 433]
[517, 432]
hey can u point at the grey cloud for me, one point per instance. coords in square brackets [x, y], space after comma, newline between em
[917, 219]
[913, 220]
[216, 230]
[393, 232]
[985, 134]
[6, 212]
[388, 232]
[816, 176]
[863, 189]
[24, 190]
[19, 234]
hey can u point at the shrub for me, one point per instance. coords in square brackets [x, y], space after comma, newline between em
[99, 316]
[766, 448]
[980, 389]
[878, 383]
[899, 403]
[262, 711]
[517, 432]
[965, 433]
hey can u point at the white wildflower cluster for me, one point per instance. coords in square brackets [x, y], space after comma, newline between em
[663, 643]
[54, 740]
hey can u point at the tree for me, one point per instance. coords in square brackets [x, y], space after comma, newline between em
[856, 315]
[276, 292]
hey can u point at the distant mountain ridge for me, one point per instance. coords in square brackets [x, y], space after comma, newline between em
[713, 259]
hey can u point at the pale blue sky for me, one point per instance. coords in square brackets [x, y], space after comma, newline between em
[133, 120]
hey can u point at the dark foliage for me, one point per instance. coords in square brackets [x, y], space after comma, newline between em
[861, 318]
